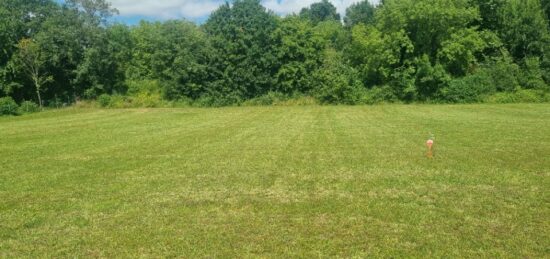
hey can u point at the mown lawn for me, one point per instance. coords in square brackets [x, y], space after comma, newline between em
[277, 182]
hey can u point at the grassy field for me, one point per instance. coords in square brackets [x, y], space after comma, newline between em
[277, 182]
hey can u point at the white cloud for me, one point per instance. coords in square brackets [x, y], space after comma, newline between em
[193, 9]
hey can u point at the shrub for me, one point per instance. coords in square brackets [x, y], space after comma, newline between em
[104, 100]
[298, 101]
[338, 85]
[270, 98]
[336, 82]
[138, 87]
[532, 74]
[379, 95]
[469, 89]
[56, 103]
[520, 96]
[430, 79]
[119, 102]
[217, 100]
[504, 74]
[146, 100]
[28, 107]
[8, 106]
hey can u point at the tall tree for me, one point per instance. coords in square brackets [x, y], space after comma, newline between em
[361, 12]
[31, 60]
[321, 11]
[524, 29]
[175, 53]
[299, 52]
[546, 8]
[490, 13]
[244, 63]
[96, 11]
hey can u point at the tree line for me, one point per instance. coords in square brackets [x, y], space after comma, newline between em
[454, 51]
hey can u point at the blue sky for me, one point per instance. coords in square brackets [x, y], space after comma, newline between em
[132, 11]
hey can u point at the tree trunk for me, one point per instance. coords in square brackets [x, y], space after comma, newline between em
[37, 85]
[39, 99]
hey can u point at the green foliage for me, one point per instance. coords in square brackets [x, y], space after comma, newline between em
[8, 106]
[337, 82]
[361, 12]
[504, 74]
[460, 53]
[267, 99]
[427, 23]
[244, 59]
[175, 53]
[56, 103]
[377, 55]
[104, 100]
[150, 87]
[320, 11]
[490, 12]
[298, 55]
[139, 100]
[400, 50]
[383, 94]
[532, 75]
[520, 96]
[430, 79]
[546, 8]
[469, 89]
[28, 107]
[524, 29]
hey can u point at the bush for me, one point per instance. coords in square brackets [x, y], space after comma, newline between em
[379, 95]
[532, 75]
[270, 98]
[338, 85]
[119, 102]
[520, 96]
[138, 87]
[8, 106]
[217, 100]
[469, 89]
[146, 100]
[298, 101]
[28, 107]
[56, 103]
[104, 100]
[430, 79]
[141, 100]
[504, 74]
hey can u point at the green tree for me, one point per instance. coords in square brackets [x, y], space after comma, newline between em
[490, 13]
[546, 8]
[361, 12]
[427, 23]
[337, 82]
[96, 12]
[298, 52]
[382, 58]
[333, 34]
[31, 60]
[320, 11]
[176, 53]
[462, 52]
[244, 60]
[524, 29]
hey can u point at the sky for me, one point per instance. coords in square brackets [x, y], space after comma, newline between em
[132, 11]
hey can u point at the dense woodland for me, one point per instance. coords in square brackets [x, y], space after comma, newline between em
[452, 51]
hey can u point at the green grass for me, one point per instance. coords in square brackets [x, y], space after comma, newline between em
[277, 182]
